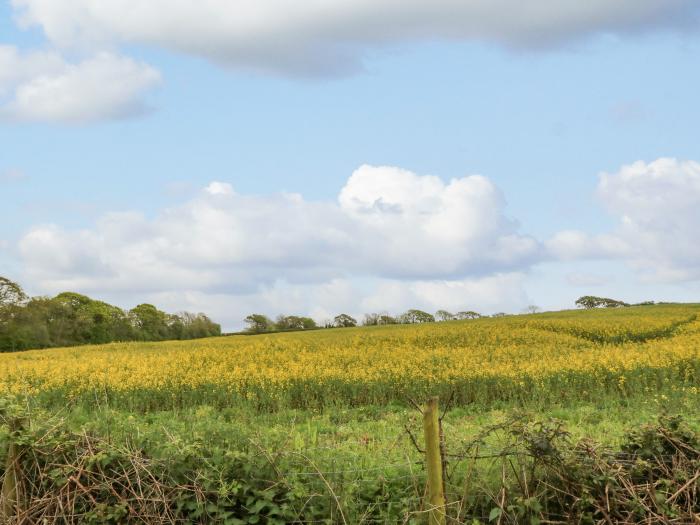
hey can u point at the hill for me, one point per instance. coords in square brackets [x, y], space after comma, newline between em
[320, 426]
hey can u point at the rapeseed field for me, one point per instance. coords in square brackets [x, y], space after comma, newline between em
[577, 355]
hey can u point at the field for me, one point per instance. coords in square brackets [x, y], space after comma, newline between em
[330, 412]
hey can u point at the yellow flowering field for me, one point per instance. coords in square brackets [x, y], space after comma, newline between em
[576, 354]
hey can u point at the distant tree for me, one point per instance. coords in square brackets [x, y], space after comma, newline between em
[370, 320]
[386, 319]
[72, 319]
[444, 315]
[382, 318]
[195, 326]
[591, 301]
[287, 322]
[499, 314]
[344, 321]
[11, 293]
[532, 309]
[588, 301]
[294, 322]
[414, 316]
[258, 323]
[150, 323]
[467, 315]
[11, 297]
[23, 324]
[308, 324]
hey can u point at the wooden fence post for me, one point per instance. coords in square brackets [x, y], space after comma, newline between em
[10, 496]
[433, 459]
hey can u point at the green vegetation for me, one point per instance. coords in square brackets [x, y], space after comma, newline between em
[582, 416]
[208, 465]
[73, 319]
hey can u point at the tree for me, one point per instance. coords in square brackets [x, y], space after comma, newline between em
[307, 323]
[375, 319]
[11, 297]
[72, 319]
[444, 315]
[23, 326]
[587, 301]
[344, 321]
[11, 293]
[467, 315]
[196, 326]
[499, 314]
[294, 322]
[258, 323]
[591, 301]
[532, 309]
[150, 323]
[414, 316]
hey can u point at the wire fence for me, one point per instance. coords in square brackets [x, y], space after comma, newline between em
[511, 473]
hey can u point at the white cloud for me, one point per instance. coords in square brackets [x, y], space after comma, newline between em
[658, 204]
[354, 296]
[317, 37]
[430, 228]
[450, 241]
[658, 208]
[487, 294]
[219, 188]
[570, 245]
[587, 279]
[42, 86]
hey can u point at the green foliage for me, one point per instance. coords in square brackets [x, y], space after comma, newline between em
[151, 323]
[88, 479]
[444, 315]
[11, 293]
[591, 301]
[294, 322]
[259, 323]
[344, 321]
[210, 466]
[74, 319]
[414, 316]
[467, 315]
[650, 478]
[379, 319]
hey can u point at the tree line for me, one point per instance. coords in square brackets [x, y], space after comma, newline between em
[591, 301]
[70, 319]
[260, 323]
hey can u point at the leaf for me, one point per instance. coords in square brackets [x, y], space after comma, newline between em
[495, 513]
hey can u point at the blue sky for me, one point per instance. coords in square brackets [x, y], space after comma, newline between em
[166, 112]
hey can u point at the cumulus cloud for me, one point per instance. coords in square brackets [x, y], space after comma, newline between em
[42, 86]
[317, 37]
[657, 205]
[387, 225]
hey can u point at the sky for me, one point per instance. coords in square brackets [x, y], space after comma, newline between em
[353, 156]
